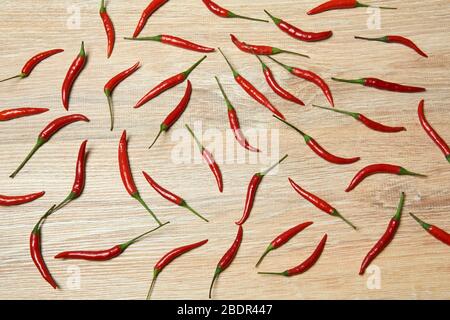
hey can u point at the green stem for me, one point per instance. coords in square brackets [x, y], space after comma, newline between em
[18, 76]
[401, 203]
[352, 114]
[336, 213]
[269, 248]
[293, 127]
[125, 245]
[448, 158]
[185, 205]
[233, 15]
[275, 20]
[111, 111]
[82, 52]
[358, 81]
[38, 225]
[288, 68]
[265, 172]
[66, 201]
[138, 198]
[284, 273]
[424, 225]
[216, 274]
[264, 66]
[102, 7]
[235, 73]
[155, 275]
[363, 5]
[405, 172]
[200, 146]
[381, 39]
[153, 38]
[292, 52]
[40, 142]
[188, 71]
[227, 101]
[157, 136]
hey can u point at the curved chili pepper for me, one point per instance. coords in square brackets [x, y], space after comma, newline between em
[168, 258]
[311, 77]
[366, 121]
[176, 113]
[382, 85]
[127, 176]
[341, 4]
[172, 197]
[167, 84]
[318, 149]
[283, 238]
[379, 168]
[45, 135]
[251, 191]
[436, 232]
[305, 265]
[234, 122]
[386, 238]
[112, 84]
[72, 74]
[109, 29]
[319, 203]
[103, 255]
[225, 13]
[251, 90]
[33, 62]
[397, 39]
[228, 258]
[17, 200]
[175, 41]
[431, 132]
[209, 158]
[298, 33]
[146, 14]
[10, 114]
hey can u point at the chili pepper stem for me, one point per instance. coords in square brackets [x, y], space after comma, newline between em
[200, 146]
[38, 144]
[336, 213]
[216, 274]
[381, 39]
[111, 111]
[154, 38]
[448, 158]
[363, 5]
[17, 76]
[274, 19]
[155, 276]
[284, 273]
[265, 172]
[188, 71]
[157, 136]
[69, 198]
[227, 101]
[138, 198]
[291, 125]
[296, 53]
[41, 220]
[351, 114]
[185, 205]
[233, 15]
[269, 248]
[235, 73]
[125, 245]
[424, 225]
[358, 81]
[398, 213]
[288, 68]
[405, 172]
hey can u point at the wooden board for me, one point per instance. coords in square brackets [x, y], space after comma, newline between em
[414, 266]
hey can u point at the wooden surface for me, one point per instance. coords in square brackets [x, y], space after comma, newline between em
[415, 265]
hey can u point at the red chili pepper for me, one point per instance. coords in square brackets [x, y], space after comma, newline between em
[386, 238]
[432, 133]
[33, 62]
[298, 33]
[146, 14]
[251, 191]
[318, 149]
[382, 85]
[283, 238]
[172, 197]
[379, 168]
[436, 232]
[305, 265]
[10, 114]
[45, 135]
[109, 28]
[228, 258]
[397, 39]
[175, 41]
[251, 90]
[127, 176]
[209, 158]
[103, 255]
[17, 200]
[319, 203]
[112, 84]
[168, 258]
[366, 121]
[72, 74]
[234, 122]
[167, 84]
[341, 4]
[176, 113]
[225, 13]
[311, 77]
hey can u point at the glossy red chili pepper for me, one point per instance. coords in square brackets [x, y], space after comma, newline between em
[252, 188]
[436, 232]
[298, 33]
[127, 176]
[225, 13]
[45, 135]
[379, 168]
[234, 122]
[366, 121]
[168, 258]
[176, 113]
[17, 200]
[397, 39]
[146, 14]
[109, 29]
[311, 77]
[283, 238]
[318, 149]
[305, 265]
[386, 238]
[251, 90]
[341, 4]
[319, 203]
[72, 74]
[175, 41]
[209, 158]
[113, 83]
[228, 258]
[431, 132]
[10, 114]
[33, 62]
[382, 85]
[167, 84]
